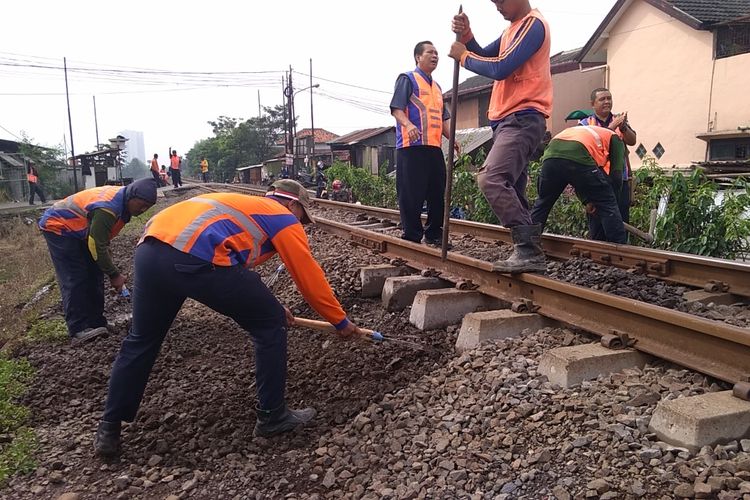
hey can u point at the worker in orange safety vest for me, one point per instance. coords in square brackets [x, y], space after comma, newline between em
[205, 248]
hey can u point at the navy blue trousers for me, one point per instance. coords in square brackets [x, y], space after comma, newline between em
[35, 189]
[420, 178]
[164, 278]
[590, 183]
[81, 282]
[596, 230]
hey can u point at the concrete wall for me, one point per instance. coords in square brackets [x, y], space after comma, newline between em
[572, 90]
[661, 72]
[730, 105]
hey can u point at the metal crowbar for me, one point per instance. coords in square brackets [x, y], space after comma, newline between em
[370, 334]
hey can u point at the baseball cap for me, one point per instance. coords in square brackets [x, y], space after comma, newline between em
[293, 190]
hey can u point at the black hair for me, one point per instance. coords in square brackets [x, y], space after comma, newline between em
[419, 48]
[596, 91]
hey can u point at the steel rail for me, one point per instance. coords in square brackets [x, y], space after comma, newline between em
[693, 270]
[710, 347]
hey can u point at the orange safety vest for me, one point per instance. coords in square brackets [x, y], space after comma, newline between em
[229, 229]
[70, 217]
[32, 178]
[425, 111]
[596, 140]
[592, 120]
[528, 87]
[204, 166]
[174, 162]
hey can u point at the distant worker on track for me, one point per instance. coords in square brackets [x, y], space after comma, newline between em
[174, 166]
[204, 248]
[204, 169]
[33, 177]
[78, 230]
[591, 159]
[155, 169]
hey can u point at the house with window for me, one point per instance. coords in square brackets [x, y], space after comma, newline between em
[681, 69]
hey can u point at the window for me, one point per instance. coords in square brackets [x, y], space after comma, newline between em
[732, 40]
[658, 151]
[641, 151]
[729, 149]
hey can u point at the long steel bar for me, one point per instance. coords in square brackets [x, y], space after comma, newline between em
[711, 347]
[686, 269]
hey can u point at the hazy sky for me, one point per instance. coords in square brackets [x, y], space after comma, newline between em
[148, 62]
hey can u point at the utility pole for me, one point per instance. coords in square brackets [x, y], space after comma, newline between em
[286, 123]
[259, 111]
[292, 122]
[70, 126]
[312, 121]
[96, 125]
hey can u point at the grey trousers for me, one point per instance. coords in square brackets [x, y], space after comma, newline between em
[504, 175]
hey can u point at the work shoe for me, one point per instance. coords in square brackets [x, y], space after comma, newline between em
[282, 419]
[436, 243]
[87, 335]
[107, 439]
[527, 256]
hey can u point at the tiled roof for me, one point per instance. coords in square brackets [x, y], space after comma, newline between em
[321, 135]
[713, 11]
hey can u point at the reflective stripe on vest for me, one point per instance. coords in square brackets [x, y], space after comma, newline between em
[184, 239]
[70, 216]
[593, 139]
[425, 111]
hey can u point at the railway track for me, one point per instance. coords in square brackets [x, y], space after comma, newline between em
[707, 346]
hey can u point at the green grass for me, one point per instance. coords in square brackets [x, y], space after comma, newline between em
[48, 330]
[16, 455]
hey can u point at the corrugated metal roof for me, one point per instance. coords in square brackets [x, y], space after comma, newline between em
[240, 169]
[470, 139]
[360, 135]
[10, 160]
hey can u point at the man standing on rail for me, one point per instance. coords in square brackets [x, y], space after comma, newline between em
[174, 166]
[601, 102]
[422, 120]
[78, 230]
[591, 159]
[202, 248]
[521, 100]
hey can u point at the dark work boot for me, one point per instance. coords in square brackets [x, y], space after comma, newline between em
[282, 419]
[527, 256]
[107, 439]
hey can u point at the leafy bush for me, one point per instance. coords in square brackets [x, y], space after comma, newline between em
[368, 189]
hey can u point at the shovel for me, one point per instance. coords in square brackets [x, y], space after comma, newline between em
[370, 334]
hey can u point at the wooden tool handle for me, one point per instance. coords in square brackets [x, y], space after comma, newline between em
[637, 232]
[322, 325]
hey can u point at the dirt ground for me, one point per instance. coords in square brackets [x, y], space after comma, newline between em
[193, 434]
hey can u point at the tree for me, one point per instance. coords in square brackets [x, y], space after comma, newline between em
[237, 142]
[135, 169]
